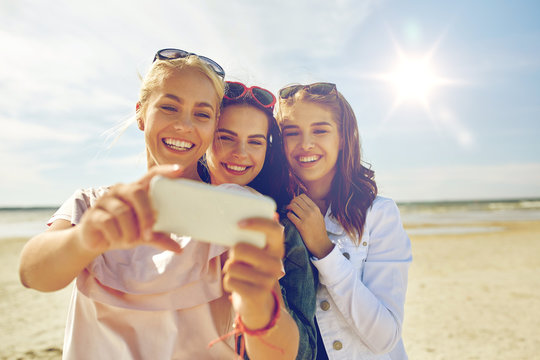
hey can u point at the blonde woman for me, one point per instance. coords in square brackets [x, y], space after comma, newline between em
[138, 295]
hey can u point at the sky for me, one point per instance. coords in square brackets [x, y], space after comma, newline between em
[446, 94]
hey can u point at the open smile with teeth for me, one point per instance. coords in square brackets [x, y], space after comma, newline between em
[235, 168]
[308, 159]
[179, 145]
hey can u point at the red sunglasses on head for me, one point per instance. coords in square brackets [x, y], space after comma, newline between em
[263, 97]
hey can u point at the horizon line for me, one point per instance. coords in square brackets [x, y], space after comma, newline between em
[399, 202]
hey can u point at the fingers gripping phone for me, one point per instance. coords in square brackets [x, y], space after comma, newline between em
[208, 213]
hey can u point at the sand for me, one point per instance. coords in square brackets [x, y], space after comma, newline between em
[32, 323]
[471, 296]
[475, 296]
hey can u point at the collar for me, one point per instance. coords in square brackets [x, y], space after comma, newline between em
[331, 224]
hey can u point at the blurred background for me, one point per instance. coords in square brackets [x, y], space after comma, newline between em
[447, 94]
[447, 98]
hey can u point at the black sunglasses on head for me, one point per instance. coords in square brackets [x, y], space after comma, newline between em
[319, 88]
[170, 54]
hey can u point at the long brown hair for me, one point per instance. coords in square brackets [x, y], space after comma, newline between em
[353, 188]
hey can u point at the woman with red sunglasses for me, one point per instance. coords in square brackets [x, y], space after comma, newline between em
[247, 150]
[355, 237]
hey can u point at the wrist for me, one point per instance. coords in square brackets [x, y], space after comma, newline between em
[80, 245]
[251, 316]
[241, 328]
[259, 326]
[323, 249]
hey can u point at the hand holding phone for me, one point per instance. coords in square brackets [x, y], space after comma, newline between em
[208, 213]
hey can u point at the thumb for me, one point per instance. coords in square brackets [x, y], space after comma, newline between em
[273, 231]
[164, 242]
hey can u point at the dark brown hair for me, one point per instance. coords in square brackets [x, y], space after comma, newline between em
[353, 188]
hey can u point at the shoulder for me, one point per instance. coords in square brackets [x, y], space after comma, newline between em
[383, 211]
[86, 197]
[80, 201]
[89, 195]
[383, 204]
[384, 222]
[291, 233]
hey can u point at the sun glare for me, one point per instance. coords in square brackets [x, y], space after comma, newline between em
[413, 79]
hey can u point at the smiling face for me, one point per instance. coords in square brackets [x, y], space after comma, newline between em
[179, 120]
[312, 143]
[238, 152]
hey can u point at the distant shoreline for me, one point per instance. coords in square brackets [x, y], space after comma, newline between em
[470, 201]
[399, 203]
[28, 208]
[442, 217]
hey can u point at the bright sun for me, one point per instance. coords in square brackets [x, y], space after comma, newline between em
[413, 79]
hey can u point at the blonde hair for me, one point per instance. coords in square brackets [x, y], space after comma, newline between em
[162, 68]
[158, 72]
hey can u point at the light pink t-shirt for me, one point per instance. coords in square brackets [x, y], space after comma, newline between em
[146, 303]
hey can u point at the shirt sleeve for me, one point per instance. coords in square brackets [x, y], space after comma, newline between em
[74, 207]
[371, 298]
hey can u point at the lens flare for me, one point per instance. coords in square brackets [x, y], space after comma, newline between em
[413, 79]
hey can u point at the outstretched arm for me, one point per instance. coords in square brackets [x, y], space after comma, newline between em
[120, 219]
[252, 274]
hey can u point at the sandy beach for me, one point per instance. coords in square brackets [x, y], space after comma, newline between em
[475, 296]
[471, 296]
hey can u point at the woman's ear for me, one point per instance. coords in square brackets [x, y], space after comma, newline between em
[140, 121]
[140, 124]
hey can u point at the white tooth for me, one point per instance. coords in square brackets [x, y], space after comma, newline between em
[236, 167]
[308, 158]
[178, 143]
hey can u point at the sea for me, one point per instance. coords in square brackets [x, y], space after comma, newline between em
[435, 217]
[459, 217]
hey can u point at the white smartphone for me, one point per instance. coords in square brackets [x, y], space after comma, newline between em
[208, 213]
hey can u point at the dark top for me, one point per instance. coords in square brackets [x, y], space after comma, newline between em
[298, 287]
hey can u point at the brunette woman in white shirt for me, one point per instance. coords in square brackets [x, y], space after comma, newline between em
[355, 237]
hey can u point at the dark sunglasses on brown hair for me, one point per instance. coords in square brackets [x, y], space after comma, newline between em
[319, 88]
[170, 54]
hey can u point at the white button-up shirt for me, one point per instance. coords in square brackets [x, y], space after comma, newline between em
[361, 296]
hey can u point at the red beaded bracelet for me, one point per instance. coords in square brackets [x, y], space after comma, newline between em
[240, 328]
[238, 324]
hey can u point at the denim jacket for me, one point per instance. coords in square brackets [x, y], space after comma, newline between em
[299, 286]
